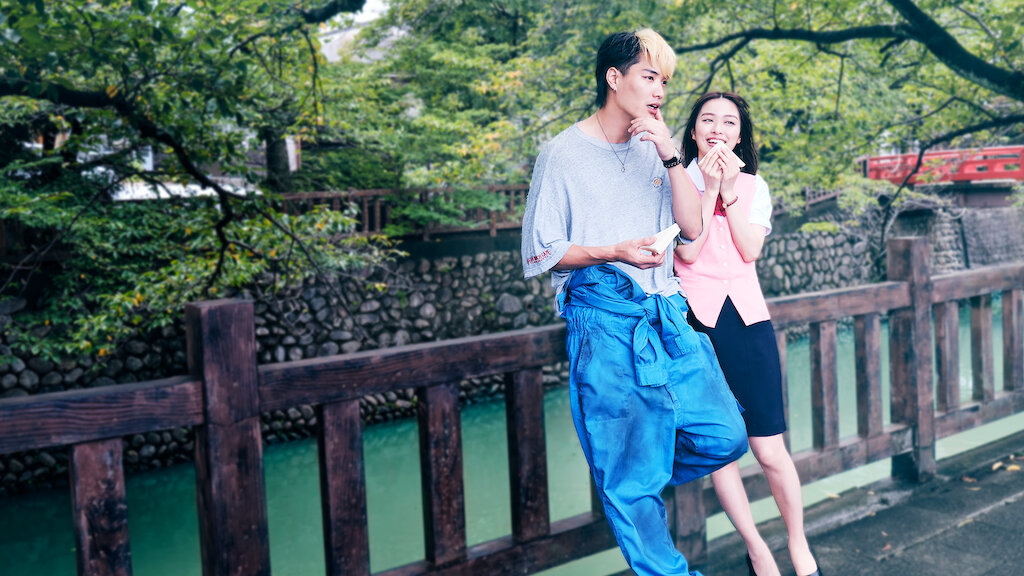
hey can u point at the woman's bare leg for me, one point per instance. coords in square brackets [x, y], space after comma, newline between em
[729, 488]
[778, 467]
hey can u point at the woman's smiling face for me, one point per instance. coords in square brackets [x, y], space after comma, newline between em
[718, 121]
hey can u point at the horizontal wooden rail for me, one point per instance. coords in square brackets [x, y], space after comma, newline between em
[968, 283]
[571, 538]
[374, 208]
[337, 378]
[831, 305]
[813, 465]
[76, 416]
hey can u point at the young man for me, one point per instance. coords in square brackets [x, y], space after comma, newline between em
[648, 399]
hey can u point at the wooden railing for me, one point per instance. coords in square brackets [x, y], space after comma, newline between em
[374, 208]
[226, 392]
[968, 165]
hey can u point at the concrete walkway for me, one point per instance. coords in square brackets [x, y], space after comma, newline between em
[967, 521]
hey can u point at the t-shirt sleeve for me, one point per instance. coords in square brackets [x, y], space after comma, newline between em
[545, 220]
[761, 208]
[700, 192]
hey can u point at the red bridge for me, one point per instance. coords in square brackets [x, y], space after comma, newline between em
[968, 165]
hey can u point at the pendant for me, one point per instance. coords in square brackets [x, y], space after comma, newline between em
[623, 169]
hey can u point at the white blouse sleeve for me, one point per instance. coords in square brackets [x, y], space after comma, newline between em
[761, 208]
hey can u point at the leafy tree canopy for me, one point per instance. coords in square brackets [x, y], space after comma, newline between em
[86, 88]
[469, 89]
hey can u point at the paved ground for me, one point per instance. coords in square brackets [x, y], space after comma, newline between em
[967, 521]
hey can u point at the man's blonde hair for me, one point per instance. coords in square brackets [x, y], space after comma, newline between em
[658, 51]
[623, 49]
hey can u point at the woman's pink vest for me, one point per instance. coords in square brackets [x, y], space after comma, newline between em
[720, 271]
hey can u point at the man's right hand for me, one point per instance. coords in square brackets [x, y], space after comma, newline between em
[629, 251]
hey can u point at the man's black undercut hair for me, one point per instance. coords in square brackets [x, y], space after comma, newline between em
[620, 51]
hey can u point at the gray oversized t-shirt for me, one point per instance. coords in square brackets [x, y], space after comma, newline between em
[579, 195]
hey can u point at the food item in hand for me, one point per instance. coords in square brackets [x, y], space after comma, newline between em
[722, 145]
[663, 240]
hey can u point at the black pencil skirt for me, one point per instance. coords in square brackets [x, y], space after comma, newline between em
[749, 358]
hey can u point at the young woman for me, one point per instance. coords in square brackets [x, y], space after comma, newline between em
[718, 276]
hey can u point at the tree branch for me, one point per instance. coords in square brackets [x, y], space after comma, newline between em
[917, 26]
[978, 21]
[330, 10]
[951, 53]
[313, 16]
[814, 36]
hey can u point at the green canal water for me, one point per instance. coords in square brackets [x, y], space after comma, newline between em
[36, 535]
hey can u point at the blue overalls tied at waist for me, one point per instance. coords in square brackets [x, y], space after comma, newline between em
[606, 288]
[649, 404]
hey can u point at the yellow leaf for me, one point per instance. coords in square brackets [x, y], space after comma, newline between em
[968, 479]
[111, 91]
[1013, 468]
[997, 465]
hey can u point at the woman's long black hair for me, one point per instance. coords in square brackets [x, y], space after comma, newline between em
[746, 149]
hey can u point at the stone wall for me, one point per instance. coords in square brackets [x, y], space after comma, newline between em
[993, 235]
[432, 299]
[944, 230]
[810, 261]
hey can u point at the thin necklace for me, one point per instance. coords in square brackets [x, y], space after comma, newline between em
[622, 161]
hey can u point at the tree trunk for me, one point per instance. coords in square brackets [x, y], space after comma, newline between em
[278, 172]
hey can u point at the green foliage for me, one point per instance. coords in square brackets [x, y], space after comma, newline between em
[474, 88]
[449, 95]
[342, 168]
[826, 227]
[86, 88]
[418, 209]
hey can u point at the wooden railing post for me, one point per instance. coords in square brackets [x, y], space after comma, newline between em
[343, 489]
[947, 344]
[911, 357]
[867, 342]
[444, 508]
[527, 454]
[100, 511]
[229, 448]
[1013, 350]
[688, 520]
[780, 343]
[824, 386]
[982, 358]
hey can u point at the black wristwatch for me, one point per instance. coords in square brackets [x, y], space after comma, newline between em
[675, 160]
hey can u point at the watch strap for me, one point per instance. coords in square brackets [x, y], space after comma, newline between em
[673, 161]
